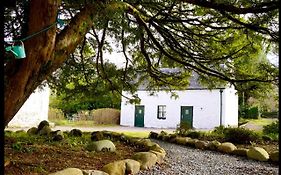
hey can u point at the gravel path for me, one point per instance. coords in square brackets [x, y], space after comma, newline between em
[182, 160]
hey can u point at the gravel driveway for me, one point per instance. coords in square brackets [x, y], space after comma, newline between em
[182, 160]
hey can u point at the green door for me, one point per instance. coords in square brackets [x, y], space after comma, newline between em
[187, 115]
[139, 116]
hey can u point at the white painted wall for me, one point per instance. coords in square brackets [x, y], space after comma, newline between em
[34, 110]
[231, 107]
[206, 109]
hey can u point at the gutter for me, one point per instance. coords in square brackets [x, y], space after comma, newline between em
[221, 91]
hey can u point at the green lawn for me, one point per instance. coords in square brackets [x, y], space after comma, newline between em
[85, 123]
[140, 134]
[260, 121]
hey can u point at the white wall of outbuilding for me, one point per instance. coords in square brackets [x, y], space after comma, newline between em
[34, 110]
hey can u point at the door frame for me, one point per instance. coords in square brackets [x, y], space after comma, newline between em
[181, 114]
[135, 123]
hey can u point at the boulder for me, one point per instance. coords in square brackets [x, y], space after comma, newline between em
[257, 153]
[146, 159]
[124, 138]
[75, 133]
[145, 143]
[201, 144]
[160, 156]
[32, 131]
[166, 137]
[213, 145]
[182, 140]
[191, 142]
[172, 138]
[162, 133]
[115, 136]
[226, 147]
[106, 134]
[46, 130]
[94, 172]
[157, 148]
[115, 168]
[58, 135]
[68, 171]
[42, 124]
[97, 135]
[132, 166]
[133, 140]
[102, 145]
[240, 151]
[274, 156]
[153, 135]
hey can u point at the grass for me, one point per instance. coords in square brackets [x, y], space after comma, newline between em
[84, 123]
[140, 134]
[260, 121]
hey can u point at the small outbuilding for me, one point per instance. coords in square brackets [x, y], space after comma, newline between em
[198, 106]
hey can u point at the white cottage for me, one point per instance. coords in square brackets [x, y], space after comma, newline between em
[34, 110]
[200, 107]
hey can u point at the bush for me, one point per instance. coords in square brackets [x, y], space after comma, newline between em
[183, 128]
[252, 113]
[241, 135]
[194, 134]
[214, 136]
[219, 130]
[274, 114]
[272, 128]
[248, 112]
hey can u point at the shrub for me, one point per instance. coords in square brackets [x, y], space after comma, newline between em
[219, 130]
[214, 136]
[241, 135]
[183, 128]
[194, 134]
[272, 128]
[252, 113]
[274, 114]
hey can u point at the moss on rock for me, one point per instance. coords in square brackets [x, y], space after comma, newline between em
[257, 153]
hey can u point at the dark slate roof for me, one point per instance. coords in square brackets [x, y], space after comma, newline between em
[193, 81]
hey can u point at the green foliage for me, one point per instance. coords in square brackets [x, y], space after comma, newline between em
[248, 112]
[182, 128]
[252, 113]
[88, 90]
[237, 135]
[220, 44]
[274, 114]
[219, 129]
[17, 146]
[272, 128]
[194, 134]
[241, 135]
[214, 136]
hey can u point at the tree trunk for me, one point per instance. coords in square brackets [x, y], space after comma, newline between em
[44, 52]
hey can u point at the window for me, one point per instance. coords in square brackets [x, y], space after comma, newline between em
[161, 113]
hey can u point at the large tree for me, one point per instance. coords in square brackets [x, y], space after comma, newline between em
[201, 36]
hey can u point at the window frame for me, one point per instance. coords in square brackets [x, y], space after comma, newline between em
[161, 112]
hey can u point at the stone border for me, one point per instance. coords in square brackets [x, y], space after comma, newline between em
[254, 153]
[139, 161]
